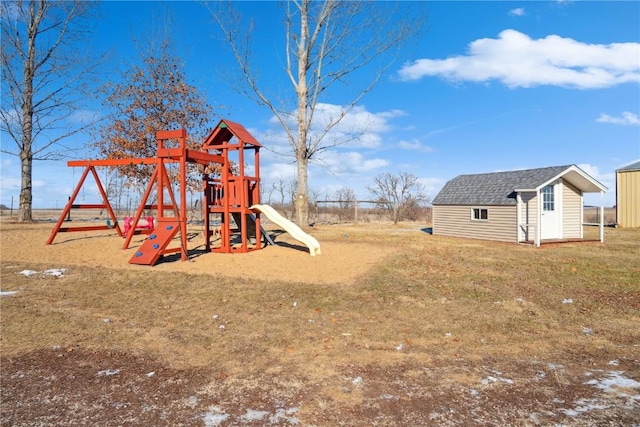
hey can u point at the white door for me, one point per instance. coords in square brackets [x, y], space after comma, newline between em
[550, 224]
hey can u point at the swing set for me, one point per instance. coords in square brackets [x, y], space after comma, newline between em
[228, 198]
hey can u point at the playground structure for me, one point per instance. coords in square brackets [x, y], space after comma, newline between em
[291, 228]
[229, 196]
[128, 228]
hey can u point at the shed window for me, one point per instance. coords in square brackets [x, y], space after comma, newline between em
[479, 214]
[548, 201]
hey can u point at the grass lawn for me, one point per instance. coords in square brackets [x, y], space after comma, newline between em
[442, 331]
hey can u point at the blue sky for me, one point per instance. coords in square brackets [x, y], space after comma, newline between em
[491, 86]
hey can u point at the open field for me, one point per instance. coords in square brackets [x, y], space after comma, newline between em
[389, 326]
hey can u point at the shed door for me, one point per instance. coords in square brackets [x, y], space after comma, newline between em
[550, 224]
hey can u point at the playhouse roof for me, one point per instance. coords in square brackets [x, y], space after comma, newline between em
[225, 130]
[500, 188]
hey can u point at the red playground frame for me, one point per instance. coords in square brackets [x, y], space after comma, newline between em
[228, 196]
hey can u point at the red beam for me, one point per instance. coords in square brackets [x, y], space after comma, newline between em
[88, 228]
[114, 162]
[171, 250]
[171, 153]
[199, 156]
[170, 134]
[89, 206]
[164, 207]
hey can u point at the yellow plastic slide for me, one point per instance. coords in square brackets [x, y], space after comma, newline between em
[288, 226]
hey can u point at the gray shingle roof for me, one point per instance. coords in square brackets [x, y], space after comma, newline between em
[632, 167]
[495, 188]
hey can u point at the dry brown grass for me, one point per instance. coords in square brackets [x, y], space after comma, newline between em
[434, 302]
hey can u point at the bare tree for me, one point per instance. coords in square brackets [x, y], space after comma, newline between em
[292, 189]
[266, 193]
[346, 198]
[280, 187]
[327, 43]
[400, 194]
[42, 82]
[314, 195]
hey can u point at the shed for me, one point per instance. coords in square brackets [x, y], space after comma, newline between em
[519, 206]
[628, 195]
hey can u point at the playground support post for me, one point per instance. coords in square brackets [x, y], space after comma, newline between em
[67, 210]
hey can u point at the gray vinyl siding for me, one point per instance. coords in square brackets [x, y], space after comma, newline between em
[528, 216]
[571, 211]
[455, 220]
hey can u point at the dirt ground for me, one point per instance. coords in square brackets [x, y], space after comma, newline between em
[327, 345]
[342, 260]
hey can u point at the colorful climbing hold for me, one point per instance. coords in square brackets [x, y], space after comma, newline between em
[153, 236]
[156, 246]
[138, 253]
[169, 227]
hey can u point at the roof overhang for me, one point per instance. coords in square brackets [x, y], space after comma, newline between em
[577, 177]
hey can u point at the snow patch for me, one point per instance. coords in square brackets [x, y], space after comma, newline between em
[253, 415]
[54, 272]
[554, 366]
[216, 417]
[28, 273]
[582, 406]
[614, 382]
[7, 293]
[491, 379]
[388, 397]
[108, 372]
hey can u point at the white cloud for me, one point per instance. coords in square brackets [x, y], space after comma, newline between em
[347, 163]
[276, 171]
[608, 179]
[516, 60]
[415, 145]
[9, 183]
[39, 183]
[627, 119]
[358, 128]
[85, 116]
[432, 186]
[519, 11]
[332, 168]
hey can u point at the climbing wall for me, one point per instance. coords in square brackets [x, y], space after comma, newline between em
[156, 243]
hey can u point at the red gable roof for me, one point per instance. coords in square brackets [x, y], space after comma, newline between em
[225, 130]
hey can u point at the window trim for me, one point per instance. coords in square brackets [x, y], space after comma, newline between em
[479, 217]
[548, 194]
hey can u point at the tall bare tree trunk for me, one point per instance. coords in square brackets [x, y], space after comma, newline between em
[326, 42]
[26, 152]
[42, 82]
[302, 197]
[26, 172]
[302, 158]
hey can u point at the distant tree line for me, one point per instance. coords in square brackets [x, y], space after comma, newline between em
[400, 197]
